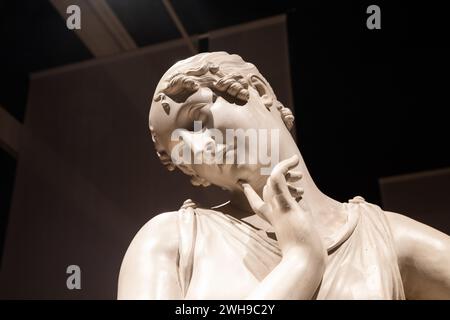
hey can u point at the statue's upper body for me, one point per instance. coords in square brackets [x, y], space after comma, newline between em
[206, 254]
[279, 237]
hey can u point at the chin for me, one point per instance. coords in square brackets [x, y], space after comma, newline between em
[258, 181]
[250, 173]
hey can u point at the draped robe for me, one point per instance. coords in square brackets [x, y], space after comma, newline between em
[221, 257]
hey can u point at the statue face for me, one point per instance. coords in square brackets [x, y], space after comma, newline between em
[250, 135]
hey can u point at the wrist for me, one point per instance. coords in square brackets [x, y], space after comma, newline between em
[299, 255]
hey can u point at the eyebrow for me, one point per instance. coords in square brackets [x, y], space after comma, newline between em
[181, 95]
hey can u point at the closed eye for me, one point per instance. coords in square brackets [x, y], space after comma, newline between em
[197, 117]
[194, 110]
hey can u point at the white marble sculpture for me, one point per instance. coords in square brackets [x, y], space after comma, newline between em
[279, 236]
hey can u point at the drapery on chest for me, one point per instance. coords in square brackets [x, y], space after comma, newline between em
[224, 258]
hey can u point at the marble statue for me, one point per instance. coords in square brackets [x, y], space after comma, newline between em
[279, 236]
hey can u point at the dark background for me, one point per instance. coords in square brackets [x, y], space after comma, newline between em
[368, 103]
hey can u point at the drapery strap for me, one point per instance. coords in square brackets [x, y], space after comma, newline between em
[187, 226]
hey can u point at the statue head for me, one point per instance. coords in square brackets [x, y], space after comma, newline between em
[210, 95]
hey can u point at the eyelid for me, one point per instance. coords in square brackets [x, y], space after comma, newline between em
[194, 110]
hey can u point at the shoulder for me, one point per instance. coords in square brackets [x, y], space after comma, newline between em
[156, 241]
[413, 238]
[159, 234]
[161, 223]
[423, 257]
[151, 258]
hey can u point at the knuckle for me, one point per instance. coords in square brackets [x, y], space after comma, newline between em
[275, 172]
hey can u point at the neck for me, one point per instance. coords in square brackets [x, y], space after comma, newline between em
[327, 213]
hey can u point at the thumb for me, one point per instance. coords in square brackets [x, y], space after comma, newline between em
[257, 204]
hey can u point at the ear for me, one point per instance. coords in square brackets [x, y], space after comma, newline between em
[263, 91]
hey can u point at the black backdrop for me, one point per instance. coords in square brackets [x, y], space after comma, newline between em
[371, 103]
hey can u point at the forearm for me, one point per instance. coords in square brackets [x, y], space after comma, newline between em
[296, 277]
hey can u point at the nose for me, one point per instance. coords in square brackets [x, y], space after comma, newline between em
[201, 144]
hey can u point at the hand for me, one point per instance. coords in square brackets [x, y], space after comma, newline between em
[280, 207]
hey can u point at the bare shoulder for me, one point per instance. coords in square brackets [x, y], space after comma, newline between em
[423, 257]
[159, 234]
[412, 237]
[150, 260]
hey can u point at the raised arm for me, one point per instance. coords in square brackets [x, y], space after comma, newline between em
[149, 268]
[424, 258]
[302, 265]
